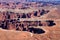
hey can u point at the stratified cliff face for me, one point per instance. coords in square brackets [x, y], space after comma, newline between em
[53, 14]
[51, 33]
[16, 30]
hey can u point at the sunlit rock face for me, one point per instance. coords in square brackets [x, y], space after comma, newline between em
[14, 35]
[52, 33]
[40, 24]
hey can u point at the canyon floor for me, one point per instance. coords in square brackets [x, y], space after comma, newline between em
[51, 33]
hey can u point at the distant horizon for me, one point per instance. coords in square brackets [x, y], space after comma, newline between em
[27, 0]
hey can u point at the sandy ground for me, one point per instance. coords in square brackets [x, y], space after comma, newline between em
[51, 33]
